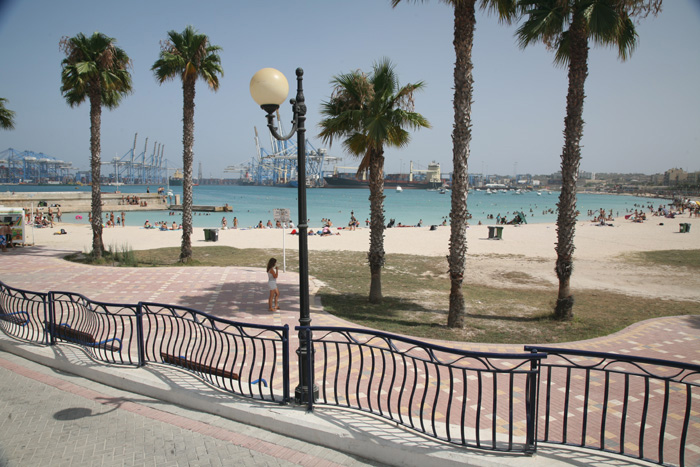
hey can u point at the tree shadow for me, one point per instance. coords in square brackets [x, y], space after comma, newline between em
[231, 299]
[356, 308]
[517, 319]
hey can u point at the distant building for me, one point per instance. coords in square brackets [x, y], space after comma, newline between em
[675, 177]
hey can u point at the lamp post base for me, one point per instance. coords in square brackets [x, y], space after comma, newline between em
[302, 391]
[301, 394]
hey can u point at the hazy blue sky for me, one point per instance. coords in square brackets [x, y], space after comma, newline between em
[642, 115]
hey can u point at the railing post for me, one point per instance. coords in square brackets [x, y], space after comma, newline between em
[531, 405]
[306, 368]
[285, 364]
[140, 344]
[49, 318]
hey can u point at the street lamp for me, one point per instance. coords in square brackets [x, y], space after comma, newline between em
[269, 88]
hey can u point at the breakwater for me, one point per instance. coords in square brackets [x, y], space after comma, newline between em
[81, 201]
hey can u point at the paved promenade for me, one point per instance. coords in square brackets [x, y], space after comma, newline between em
[57, 419]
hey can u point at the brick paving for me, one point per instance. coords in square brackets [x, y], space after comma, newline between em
[241, 294]
[58, 419]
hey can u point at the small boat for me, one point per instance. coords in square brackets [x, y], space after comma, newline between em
[399, 189]
[443, 191]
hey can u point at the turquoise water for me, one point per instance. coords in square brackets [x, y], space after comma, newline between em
[252, 204]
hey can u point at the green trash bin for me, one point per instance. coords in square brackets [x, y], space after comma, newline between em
[499, 233]
[687, 228]
[207, 235]
[683, 226]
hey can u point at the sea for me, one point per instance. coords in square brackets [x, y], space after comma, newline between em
[253, 204]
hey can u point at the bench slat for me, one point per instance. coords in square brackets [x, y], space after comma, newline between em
[65, 332]
[15, 318]
[196, 366]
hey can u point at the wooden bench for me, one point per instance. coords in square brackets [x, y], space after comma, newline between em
[196, 366]
[15, 318]
[65, 332]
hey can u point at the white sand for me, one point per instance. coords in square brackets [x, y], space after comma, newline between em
[527, 249]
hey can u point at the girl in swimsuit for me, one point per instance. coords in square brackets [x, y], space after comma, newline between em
[272, 273]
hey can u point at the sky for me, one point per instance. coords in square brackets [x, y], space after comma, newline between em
[641, 116]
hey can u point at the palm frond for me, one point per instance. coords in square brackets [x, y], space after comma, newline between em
[188, 55]
[94, 64]
[7, 116]
[370, 111]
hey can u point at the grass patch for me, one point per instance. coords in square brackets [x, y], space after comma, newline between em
[679, 258]
[416, 297]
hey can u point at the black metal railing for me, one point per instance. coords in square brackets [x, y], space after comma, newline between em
[108, 331]
[246, 359]
[250, 360]
[478, 399]
[644, 408]
[23, 313]
[638, 407]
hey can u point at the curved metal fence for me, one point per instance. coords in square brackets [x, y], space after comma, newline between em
[23, 314]
[250, 360]
[477, 399]
[247, 359]
[644, 408]
[107, 331]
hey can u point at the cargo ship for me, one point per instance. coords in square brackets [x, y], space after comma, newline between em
[415, 179]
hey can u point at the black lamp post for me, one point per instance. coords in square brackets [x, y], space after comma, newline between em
[269, 88]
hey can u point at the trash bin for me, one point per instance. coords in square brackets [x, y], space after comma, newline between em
[683, 227]
[687, 228]
[214, 235]
[207, 235]
[496, 232]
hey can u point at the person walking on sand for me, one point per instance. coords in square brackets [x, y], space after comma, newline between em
[272, 273]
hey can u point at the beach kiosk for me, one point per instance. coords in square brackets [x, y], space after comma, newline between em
[16, 217]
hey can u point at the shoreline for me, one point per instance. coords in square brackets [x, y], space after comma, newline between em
[530, 240]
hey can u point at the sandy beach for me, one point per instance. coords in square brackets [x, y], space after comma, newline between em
[527, 249]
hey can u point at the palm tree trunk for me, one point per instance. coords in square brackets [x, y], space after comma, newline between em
[188, 91]
[570, 160]
[375, 256]
[465, 22]
[95, 166]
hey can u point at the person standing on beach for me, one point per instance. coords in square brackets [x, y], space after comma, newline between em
[123, 215]
[58, 213]
[272, 273]
[235, 222]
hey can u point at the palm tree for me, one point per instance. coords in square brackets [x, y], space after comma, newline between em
[7, 116]
[97, 70]
[371, 112]
[188, 56]
[566, 26]
[464, 25]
